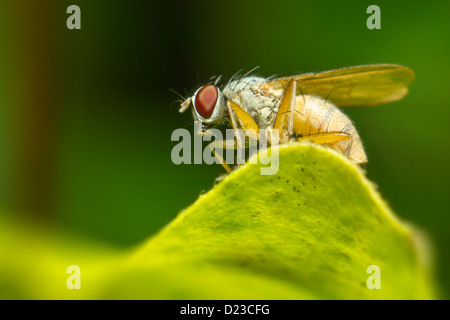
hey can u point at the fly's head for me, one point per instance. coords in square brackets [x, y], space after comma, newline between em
[208, 104]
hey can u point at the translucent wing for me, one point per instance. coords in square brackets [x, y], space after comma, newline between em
[365, 85]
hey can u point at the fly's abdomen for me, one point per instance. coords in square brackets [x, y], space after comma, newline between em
[314, 115]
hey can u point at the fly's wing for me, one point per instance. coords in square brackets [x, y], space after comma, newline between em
[366, 85]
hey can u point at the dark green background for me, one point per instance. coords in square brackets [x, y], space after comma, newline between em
[86, 115]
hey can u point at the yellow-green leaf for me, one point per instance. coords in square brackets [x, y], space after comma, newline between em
[309, 232]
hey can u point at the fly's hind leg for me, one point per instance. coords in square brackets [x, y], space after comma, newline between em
[329, 138]
[326, 137]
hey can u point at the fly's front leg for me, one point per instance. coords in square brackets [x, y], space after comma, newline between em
[234, 124]
[247, 123]
[221, 144]
[218, 156]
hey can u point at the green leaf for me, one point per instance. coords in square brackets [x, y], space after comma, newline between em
[308, 232]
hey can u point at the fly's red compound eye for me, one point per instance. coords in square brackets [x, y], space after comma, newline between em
[205, 100]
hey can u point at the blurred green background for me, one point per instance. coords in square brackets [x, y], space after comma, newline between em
[86, 115]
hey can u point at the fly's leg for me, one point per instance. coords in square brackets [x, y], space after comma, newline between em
[221, 144]
[234, 124]
[285, 115]
[246, 123]
[221, 160]
[347, 150]
[328, 138]
[292, 93]
[245, 120]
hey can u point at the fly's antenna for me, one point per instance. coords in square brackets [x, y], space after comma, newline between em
[184, 102]
[185, 105]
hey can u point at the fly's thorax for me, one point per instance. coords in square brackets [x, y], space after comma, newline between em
[260, 104]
